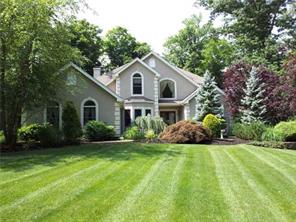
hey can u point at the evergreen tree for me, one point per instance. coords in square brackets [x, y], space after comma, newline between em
[253, 101]
[208, 98]
[71, 125]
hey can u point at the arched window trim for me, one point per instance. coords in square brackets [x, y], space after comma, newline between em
[132, 83]
[82, 109]
[60, 114]
[175, 88]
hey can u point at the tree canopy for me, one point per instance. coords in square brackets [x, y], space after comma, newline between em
[198, 48]
[87, 38]
[121, 47]
[34, 45]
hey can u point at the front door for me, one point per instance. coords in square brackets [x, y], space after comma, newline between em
[127, 117]
[169, 117]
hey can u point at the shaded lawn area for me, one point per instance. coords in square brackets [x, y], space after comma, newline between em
[149, 182]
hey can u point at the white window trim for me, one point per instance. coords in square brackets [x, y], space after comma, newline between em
[132, 85]
[151, 62]
[82, 109]
[175, 86]
[60, 115]
[133, 108]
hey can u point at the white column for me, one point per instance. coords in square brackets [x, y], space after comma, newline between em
[156, 96]
[117, 123]
[118, 86]
[186, 112]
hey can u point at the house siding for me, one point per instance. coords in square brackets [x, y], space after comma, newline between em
[184, 86]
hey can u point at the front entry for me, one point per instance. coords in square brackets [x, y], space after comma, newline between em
[169, 117]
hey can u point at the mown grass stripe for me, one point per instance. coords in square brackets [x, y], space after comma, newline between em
[119, 212]
[49, 168]
[50, 186]
[286, 162]
[258, 189]
[93, 190]
[167, 204]
[276, 167]
[233, 203]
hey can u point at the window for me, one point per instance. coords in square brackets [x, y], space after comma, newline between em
[147, 112]
[89, 111]
[137, 84]
[53, 114]
[167, 89]
[138, 112]
[151, 63]
[71, 79]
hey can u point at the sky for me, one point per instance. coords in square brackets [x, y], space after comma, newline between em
[150, 21]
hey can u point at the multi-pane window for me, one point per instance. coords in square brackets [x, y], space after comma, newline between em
[53, 114]
[138, 112]
[137, 84]
[89, 111]
[147, 112]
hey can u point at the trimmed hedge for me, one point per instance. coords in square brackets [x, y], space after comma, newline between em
[98, 131]
[214, 123]
[283, 131]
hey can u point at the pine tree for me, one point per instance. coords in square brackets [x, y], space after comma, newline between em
[208, 98]
[253, 101]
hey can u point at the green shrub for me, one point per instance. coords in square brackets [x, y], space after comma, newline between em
[271, 135]
[252, 131]
[150, 135]
[30, 132]
[214, 123]
[46, 134]
[71, 125]
[98, 131]
[283, 131]
[133, 133]
[49, 136]
[2, 138]
[148, 122]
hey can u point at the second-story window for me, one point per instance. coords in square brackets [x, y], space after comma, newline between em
[137, 84]
[167, 89]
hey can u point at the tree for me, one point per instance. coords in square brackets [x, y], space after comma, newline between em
[208, 99]
[185, 48]
[86, 37]
[121, 47]
[32, 31]
[197, 48]
[257, 27]
[71, 124]
[253, 101]
[216, 55]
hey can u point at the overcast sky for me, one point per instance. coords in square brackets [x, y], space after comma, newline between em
[150, 21]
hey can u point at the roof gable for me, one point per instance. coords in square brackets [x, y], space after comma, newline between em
[98, 83]
[176, 69]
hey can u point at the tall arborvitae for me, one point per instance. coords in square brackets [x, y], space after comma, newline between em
[253, 107]
[208, 98]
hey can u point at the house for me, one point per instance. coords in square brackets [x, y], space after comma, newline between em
[150, 85]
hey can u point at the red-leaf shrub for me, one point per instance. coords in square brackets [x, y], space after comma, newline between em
[186, 132]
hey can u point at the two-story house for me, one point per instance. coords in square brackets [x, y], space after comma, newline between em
[150, 85]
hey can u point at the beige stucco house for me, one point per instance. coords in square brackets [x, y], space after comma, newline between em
[150, 85]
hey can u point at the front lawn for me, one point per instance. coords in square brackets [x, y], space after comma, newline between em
[154, 182]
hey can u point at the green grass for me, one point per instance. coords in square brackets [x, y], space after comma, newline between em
[149, 182]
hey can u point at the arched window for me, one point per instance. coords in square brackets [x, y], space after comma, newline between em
[53, 114]
[89, 111]
[137, 84]
[167, 89]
